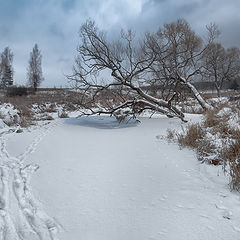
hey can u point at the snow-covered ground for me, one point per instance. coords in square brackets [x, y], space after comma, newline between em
[98, 180]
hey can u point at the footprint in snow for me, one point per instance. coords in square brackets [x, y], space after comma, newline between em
[211, 228]
[162, 232]
[226, 213]
[160, 137]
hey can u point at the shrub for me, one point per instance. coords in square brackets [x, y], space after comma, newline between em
[25, 122]
[171, 134]
[231, 157]
[44, 118]
[211, 119]
[206, 152]
[63, 114]
[51, 108]
[234, 98]
[26, 116]
[216, 140]
[194, 136]
[16, 91]
[48, 117]
[191, 136]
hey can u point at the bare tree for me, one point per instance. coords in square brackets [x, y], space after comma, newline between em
[34, 70]
[127, 64]
[179, 51]
[6, 68]
[221, 65]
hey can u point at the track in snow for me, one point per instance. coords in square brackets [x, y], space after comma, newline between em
[118, 184]
[31, 222]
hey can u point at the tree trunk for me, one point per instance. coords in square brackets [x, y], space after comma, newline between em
[196, 94]
[218, 88]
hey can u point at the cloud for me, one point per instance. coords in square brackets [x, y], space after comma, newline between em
[54, 25]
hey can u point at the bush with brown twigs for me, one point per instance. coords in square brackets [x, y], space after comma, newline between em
[231, 156]
[63, 114]
[216, 139]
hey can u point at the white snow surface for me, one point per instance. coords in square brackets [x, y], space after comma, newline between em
[101, 180]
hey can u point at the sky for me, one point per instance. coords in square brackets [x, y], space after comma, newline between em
[54, 26]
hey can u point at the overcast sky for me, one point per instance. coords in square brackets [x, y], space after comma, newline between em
[54, 25]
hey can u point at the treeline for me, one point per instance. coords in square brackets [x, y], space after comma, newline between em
[34, 72]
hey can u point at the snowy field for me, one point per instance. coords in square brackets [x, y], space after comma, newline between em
[93, 179]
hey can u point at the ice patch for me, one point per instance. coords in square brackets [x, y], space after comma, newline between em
[102, 122]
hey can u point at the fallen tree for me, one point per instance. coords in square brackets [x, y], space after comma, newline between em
[130, 66]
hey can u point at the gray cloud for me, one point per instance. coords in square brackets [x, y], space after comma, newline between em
[54, 25]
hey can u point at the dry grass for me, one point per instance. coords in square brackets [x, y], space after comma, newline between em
[191, 136]
[211, 119]
[194, 136]
[231, 156]
[215, 140]
[205, 150]
[44, 102]
[45, 118]
[51, 108]
[26, 116]
[171, 134]
[63, 115]
[44, 97]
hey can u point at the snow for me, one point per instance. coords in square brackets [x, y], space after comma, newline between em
[8, 114]
[101, 180]
[233, 117]
[224, 111]
[234, 120]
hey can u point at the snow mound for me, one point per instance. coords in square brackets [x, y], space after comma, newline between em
[8, 115]
[225, 111]
[234, 121]
[2, 124]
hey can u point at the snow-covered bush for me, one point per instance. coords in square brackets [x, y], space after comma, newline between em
[231, 152]
[216, 139]
[9, 115]
[62, 114]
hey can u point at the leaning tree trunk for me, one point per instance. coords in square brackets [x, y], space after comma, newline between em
[196, 94]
